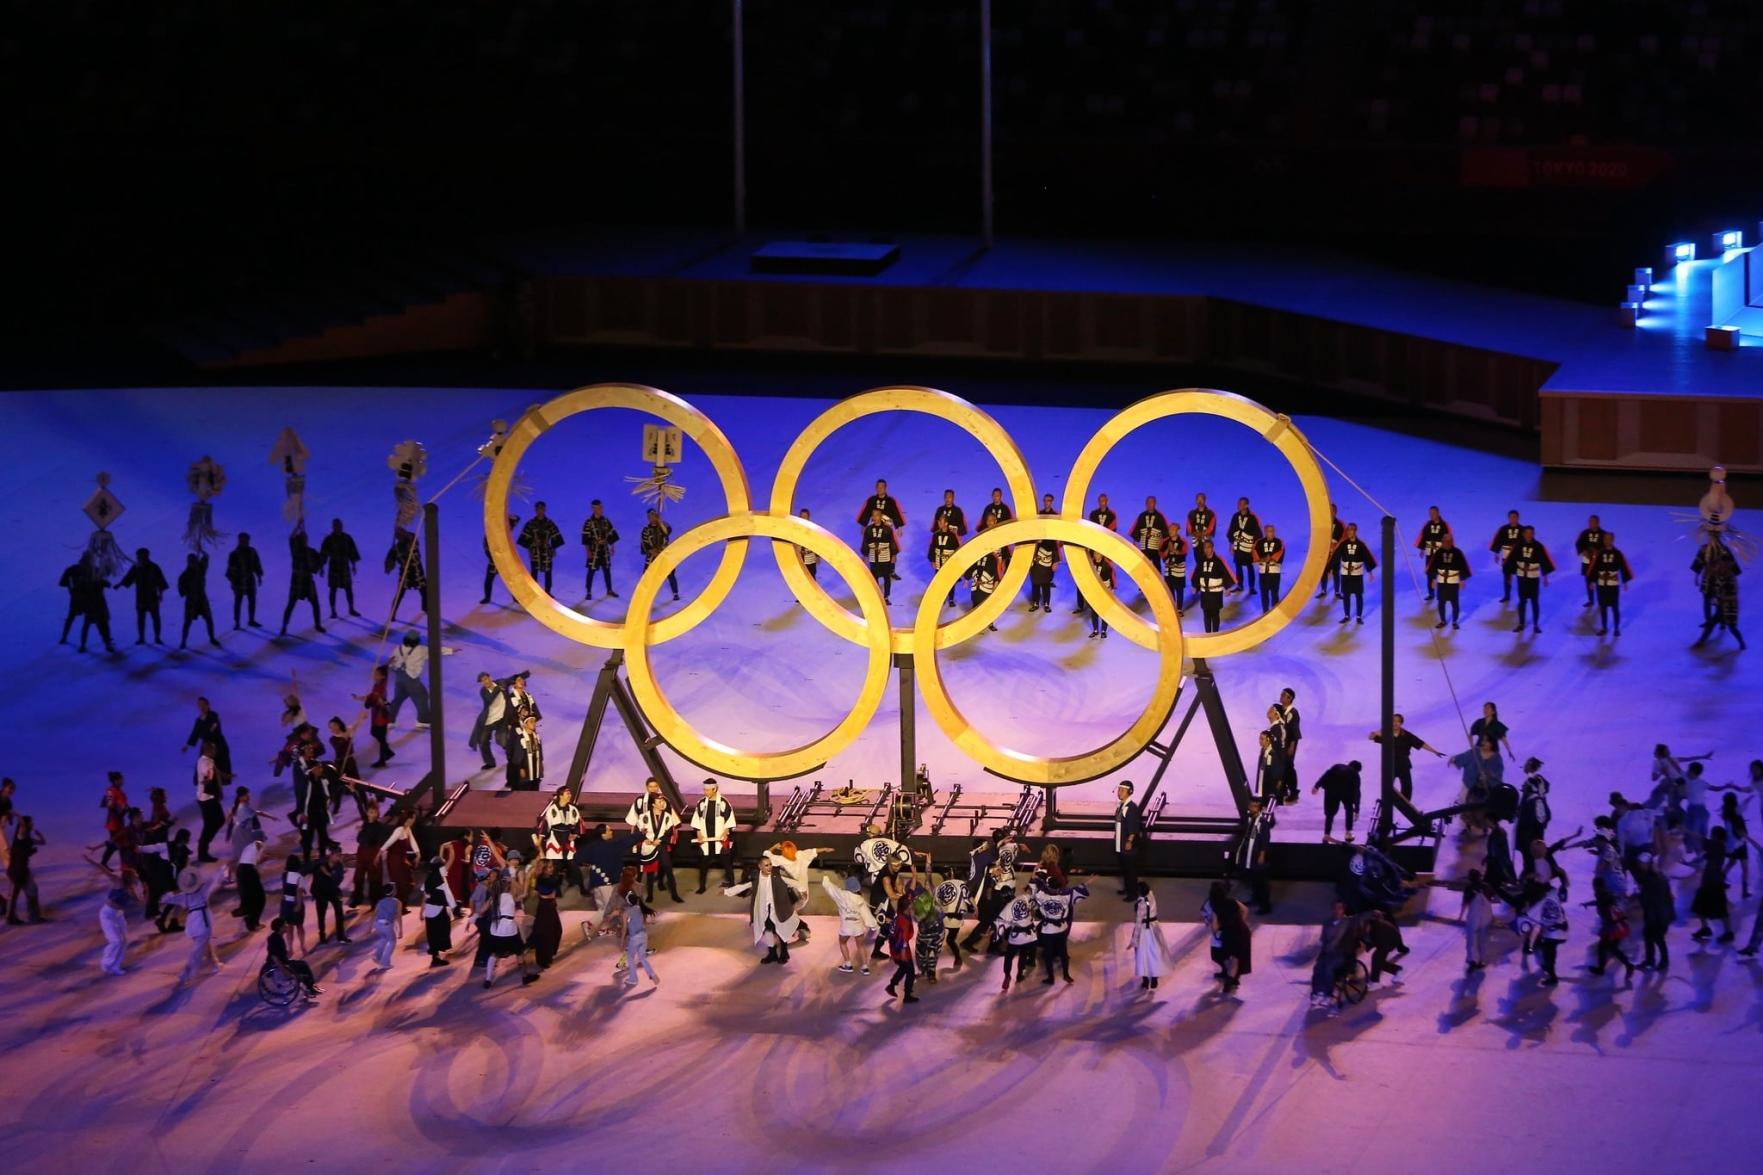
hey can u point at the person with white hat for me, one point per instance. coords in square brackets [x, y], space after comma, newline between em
[192, 898]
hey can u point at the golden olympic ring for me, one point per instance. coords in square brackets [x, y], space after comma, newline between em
[1165, 639]
[1278, 431]
[672, 726]
[605, 634]
[638, 631]
[972, 420]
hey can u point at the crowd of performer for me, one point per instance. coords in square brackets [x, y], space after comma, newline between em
[1248, 561]
[499, 896]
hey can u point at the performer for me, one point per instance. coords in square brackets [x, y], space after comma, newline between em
[1055, 906]
[502, 923]
[1202, 520]
[713, 831]
[943, 542]
[1292, 723]
[1211, 579]
[1406, 742]
[1243, 532]
[1104, 515]
[244, 574]
[1446, 569]
[655, 535]
[192, 897]
[1353, 561]
[810, 561]
[1331, 569]
[952, 516]
[521, 703]
[438, 903]
[341, 557]
[71, 575]
[1533, 811]
[409, 664]
[304, 565]
[1016, 927]
[209, 783]
[637, 916]
[880, 548]
[1610, 571]
[490, 564]
[773, 909]
[655, 854]
[1269, 555]
[526, 757]
[1175, 570]
[856, 922]
[1339, 786]
[1250, 857]
[491, 725]
[1129, 839]
[193, 587]
[1587, 546]
[150, 587]
[1433, 533]
[1105, 576]
[1717, 571]
[89, 602]
[1504, 540]
[633, 815]
[600, 538]
[1270, 764]
[996, 511]
[1528, 562]
[1149, 530]
[1150, 953]
[990, 879]
[1043, 563]
[541, 538]
[559, 825]
[26, 840]
[404, 559]
[901, 939]
[983, 576]
[883, 502]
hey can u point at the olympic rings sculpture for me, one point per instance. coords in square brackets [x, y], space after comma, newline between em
[871, 628]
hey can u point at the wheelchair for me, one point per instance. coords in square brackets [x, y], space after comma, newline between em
[277, 986]
[1353, 983]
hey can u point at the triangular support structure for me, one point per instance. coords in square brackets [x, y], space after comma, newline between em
[1205, 698]
[610, 687]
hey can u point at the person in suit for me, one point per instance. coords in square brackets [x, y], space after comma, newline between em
[1129, 840]
[492, 716]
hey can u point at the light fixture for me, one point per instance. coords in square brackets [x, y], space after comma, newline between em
[1722, 338]
[1637, 293]
[1728, 238]
[1643, 277]
[1683, 251]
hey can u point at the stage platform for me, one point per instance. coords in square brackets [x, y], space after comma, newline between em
[1171, 852]
[1601, 395]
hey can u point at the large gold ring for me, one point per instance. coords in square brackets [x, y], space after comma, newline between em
[609, 634]
[679, 734]
[1277, 430]
[972, 420]
[1165, 638]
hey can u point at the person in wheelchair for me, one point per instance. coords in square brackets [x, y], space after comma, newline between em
[280, 958]
[1338, 956]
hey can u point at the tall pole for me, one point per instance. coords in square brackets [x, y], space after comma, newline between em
[740, 115]
[431, 604]
[1387, 634]
[908, 723]
[985, 121]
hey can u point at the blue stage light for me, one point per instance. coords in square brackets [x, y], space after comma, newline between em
[1683, 251]
[1643, 277]
[1728, 238]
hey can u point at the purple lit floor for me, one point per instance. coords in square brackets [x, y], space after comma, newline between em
[728, 1066]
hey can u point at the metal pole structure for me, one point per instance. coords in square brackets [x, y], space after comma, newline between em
[431, 603]
[740, 115]
[1387, 633]
[985, 121]
[908, 721]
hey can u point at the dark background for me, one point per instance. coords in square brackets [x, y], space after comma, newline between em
[165, 154]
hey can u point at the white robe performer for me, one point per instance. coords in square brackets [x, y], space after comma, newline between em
[713, 831]
[772, 910]
[557, 830]
[1150, 953]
